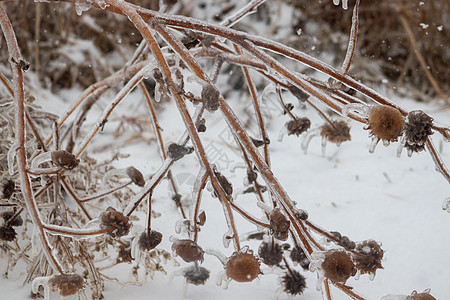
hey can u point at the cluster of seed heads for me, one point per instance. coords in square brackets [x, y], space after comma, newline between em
[113, 218]
[66, 284]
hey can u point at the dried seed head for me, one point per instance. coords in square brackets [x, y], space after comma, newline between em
[299, 256]
[64, 159]
[368, 256]
[298, 93]
[7, 233]
[293, 283]
[196, 275]
[338, 266]
[67, 284]
[113, 218]
[385, 122]
[210, 97]
[201, 127]
[279, 224]
[420, 296]
[136, 176]
[177, 152]
[124, 254]
[201, 218]
[188, 250]
[344, 241]
[337, 133]
[148, 241]
[7, 215]
[243, 267]
[270, 253]
[226, 185]
[251, 175]
[298, 126]
[417, 130]
[7, 188]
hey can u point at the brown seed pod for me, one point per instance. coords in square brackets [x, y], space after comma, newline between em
[196, 275]
[420, 296]
[210, 97]
[67, 284]
[64, 159]
[337, 133]
[243, 267]
[338, 266]
[148, 241]
[7, 188]
[385, 122]
[298, 93]
[7, 215]
[279, 224]
[113, 218]
[417, 130]
[293, 283]
[201, 127]
[188, 250]
[368, 256]
[298, 126]
[299, 256]
[7, 233]
[177, 152]
[270, 253]
[226, 185]
[136, 176]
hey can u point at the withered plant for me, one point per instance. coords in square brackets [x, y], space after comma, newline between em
[62, 209]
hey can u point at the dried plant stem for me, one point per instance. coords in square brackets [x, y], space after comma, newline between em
[15, 59]
[197, 195]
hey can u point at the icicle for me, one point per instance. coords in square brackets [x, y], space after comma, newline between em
[361, 109]
[35, 243]
[283, 132]
[344, 3]
[373, 144]
[324, 146]
[401, 145]
[371, 276]
[223, 280]
[37, 282]
[81, 7]
[410, 152]
[446, 205]
[40, 159]
[11, 156]
[386, 143]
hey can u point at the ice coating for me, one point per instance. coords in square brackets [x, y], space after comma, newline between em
[41, 281]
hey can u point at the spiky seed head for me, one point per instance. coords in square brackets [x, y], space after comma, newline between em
[113, 218]
[337, 132]
[270, 253]
[148, 241]
[293, 283]
[298, 126]
[368, 256]
[338, 266]
[66, 284]
[417, 129]
[136, 176]
[279, 224]
[385, 122]
[196, 275]
[243, 267]
[188, 250]
[299, 256]
[64, 159]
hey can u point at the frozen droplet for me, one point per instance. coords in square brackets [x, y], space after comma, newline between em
[410, 152]
[324, 145]
[81, 7]
[371, 276]
[386, 143]
[102, 4]
[227, 237]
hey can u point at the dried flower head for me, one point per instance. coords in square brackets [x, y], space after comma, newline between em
[64, 159]
[188, 250]
[177, 152]
[421, 296]
[136, 176]
[338, 266]
[243, 266]
[210, 97]
[368, 256]
[66, 284]
[270, 253]
[114, 218]
[124, 254]
[385, 123]
[196, 275]
[148, 241]
[7, 233]
[7, 215]
[279, 224]
[417, 130]
[298, 126]
[299, 256]
[293, 283]
[7, 188]
[336, 132]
